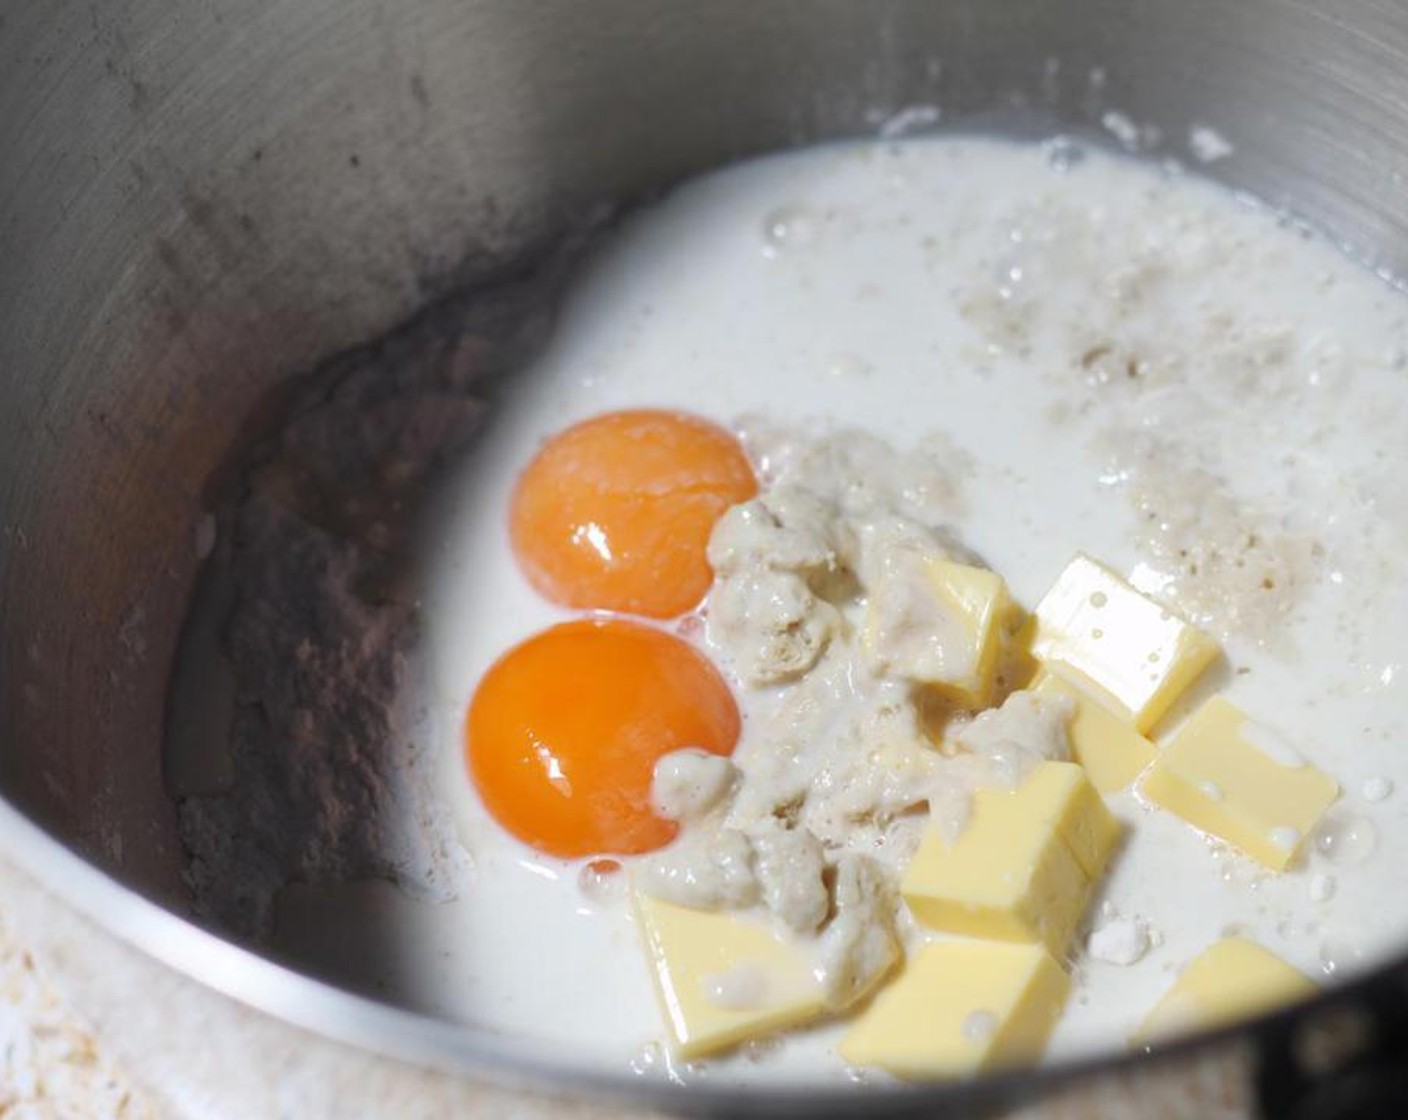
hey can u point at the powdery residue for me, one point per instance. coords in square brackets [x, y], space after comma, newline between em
[330, 779]
[1163, 329]
[1230, 567]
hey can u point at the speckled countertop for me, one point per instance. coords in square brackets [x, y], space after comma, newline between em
[50, 1063]
[92, 1028]
[95, 1028]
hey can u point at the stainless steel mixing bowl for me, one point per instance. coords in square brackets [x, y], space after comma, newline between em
[199, 200]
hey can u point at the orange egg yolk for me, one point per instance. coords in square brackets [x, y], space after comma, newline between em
[564, 732]
[615, 512]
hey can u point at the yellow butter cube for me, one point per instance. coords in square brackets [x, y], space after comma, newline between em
[1060, 793]
[1232, 777]
[1134, 649]
[961, 1008]
[722, 979]
[1235, 979]
[1021, 891]
[1106, 744]
[937, 623]
[1022, 868]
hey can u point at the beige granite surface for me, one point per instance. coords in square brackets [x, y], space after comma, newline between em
[172, 1048]
[50, 1063]
[92, 1028]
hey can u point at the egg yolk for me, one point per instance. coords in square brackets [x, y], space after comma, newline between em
[615, 512]
[564, 732]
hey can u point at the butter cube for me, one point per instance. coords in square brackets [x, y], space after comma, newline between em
[722, 979]
[1022, 868]
[1234, 979]
[1129, 645]
[961, 1008]
[1061, 794]
[1228, 775]
[1106, 744]
[938, 623]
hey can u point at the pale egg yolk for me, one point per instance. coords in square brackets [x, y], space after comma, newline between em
[615, 512]
[564, 732]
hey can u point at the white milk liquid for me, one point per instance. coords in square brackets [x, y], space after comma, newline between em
[1130, 363]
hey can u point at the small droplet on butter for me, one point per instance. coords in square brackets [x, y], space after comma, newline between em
[979, 1025]
[738, 989]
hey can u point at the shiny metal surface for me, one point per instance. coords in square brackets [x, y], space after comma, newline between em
[199, 200]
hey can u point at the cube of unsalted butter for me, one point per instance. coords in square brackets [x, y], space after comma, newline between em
[960, 1008]
[1234, 979]
[1022, 868]
[1229, 776]
[1103, 740]
[721, 978]
[1129, 645]
[1061, 794]
[937, 622]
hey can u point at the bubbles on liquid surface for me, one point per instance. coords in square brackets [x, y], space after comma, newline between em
[601, 882]
[788, 228]
[1340, 956]
[758, 1050]
[646, 1060]
[849, 366]
[1346, 839]
[1063, 153]
[1322, 888]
